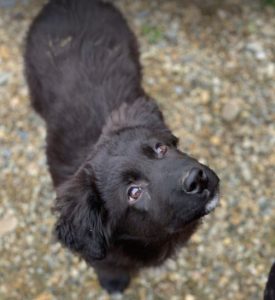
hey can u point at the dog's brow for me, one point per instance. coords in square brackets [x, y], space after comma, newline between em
[148, 151]
[131, 175]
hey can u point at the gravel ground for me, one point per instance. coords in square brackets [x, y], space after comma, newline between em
[210, 65]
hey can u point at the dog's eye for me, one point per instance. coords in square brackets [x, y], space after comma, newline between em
[161, 150]
[134, 193]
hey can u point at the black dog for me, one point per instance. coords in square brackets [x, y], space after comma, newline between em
[126, 196]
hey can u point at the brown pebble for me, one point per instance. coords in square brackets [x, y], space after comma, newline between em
[230, 110]
[7, 224]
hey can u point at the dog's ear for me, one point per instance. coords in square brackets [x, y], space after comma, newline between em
[81, 216]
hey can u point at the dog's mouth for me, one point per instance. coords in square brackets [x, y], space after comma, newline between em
[212, 202]
[194, 215]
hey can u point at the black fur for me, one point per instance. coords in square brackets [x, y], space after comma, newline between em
[83, 71]
[269, 293]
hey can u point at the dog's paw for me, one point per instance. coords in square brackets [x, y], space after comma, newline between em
[115, 284]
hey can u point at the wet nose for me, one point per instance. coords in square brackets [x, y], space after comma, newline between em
[196, 181]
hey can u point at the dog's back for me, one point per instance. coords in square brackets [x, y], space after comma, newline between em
[81, 63]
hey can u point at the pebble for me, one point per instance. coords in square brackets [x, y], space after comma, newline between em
[230, 110]
[189, 297]
[257, 49]
[205, 96]
[215, 140]
[179, 90]
[7, 224]
[270, 70]
[44, 296]
[4, 77]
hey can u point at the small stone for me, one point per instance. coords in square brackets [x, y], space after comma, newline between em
[179, 90]
[246, 172]
[33, 169]
[190, 297]
[222, 14]
[261, 55]
[230, 111]
[215, 140]
[172, 265]
[171, 36]
[4, 77]
[74, 273]
[227, 241]
[270, 70]
[29, 239]
[216, 85]
[257, 49]
[7, 224]
[205, 96]
[216, 81]
[223, 281]
[4, 52]
[44, 296]
[196, 238]
[174, 276]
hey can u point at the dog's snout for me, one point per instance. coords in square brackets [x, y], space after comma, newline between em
[195, 181]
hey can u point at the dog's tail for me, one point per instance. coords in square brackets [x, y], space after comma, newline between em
[269, 293]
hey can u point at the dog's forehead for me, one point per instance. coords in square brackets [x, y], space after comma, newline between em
[128, 140]
[140, 136]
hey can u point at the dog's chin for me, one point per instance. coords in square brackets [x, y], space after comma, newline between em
[210, 204]
[195, 218]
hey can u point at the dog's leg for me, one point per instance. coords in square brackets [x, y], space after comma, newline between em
[114, 280]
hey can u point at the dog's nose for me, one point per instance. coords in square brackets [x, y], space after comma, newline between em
[195, 181]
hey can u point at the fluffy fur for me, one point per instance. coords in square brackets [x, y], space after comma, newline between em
[83, 71]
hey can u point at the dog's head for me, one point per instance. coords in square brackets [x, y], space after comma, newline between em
[135, 184]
